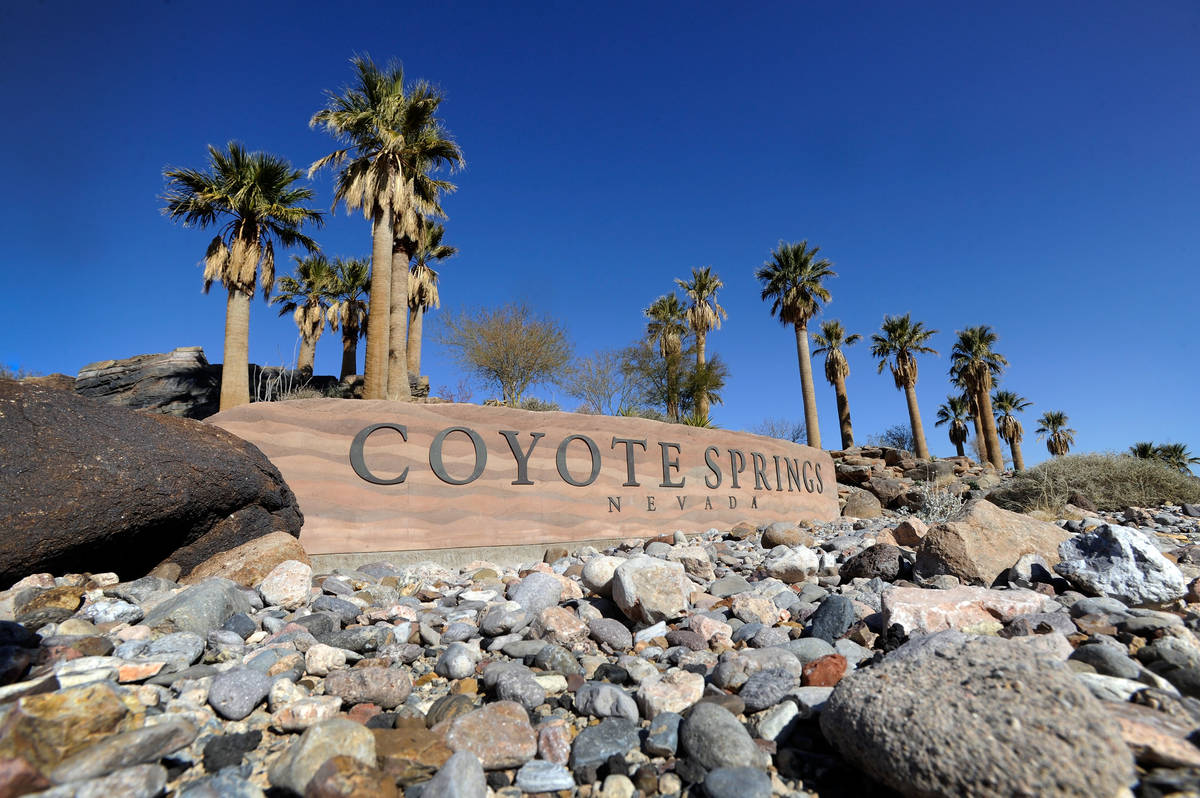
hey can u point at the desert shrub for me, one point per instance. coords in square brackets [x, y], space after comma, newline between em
[533, 403]
[303, 392]
[937, 504]
[1110, 481]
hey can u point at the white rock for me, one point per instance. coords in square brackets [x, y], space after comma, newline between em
[794, 566]
[288, 585]
[649, 590]
[1117, 561]
[598, 574]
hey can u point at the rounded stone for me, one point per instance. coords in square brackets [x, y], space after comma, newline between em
[539, 776]
[977, 716]
[737, 783]
[235, 693]
[288, 585]
[612, 633]
[499, 734]
[715, 738]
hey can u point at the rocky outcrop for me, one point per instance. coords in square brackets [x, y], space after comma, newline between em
[89, 487]
[183, 383]
[902, 482]
[179, 383]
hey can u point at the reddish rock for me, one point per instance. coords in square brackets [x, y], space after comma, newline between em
[18, 777]
[911, 531]
[824, 671]
[499, 734]
[554, 741]
[410, 753]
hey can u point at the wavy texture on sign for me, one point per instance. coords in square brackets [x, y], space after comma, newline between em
[309, 441]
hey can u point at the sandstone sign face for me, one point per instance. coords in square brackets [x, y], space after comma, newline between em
[394, 476]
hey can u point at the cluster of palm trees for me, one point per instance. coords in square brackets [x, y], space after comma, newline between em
[393, 146]
[1175, 455]
[793, 282]
[670, 320]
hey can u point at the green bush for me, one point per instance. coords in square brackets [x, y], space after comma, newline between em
[540, 405]
[1110, 481]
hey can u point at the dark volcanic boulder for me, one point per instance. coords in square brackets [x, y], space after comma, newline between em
[88, 487]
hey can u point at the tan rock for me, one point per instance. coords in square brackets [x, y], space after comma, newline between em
[250, 563]
[862, 504]
[983, 541]
[911, 531]
[47, 728]
[925, 611]
[1155, 738]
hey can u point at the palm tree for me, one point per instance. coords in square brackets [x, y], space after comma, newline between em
[423, 287]
[348, 307]
[307, 296]
[830, 341]
[393, 139]
[703, 314]
[902, 340]
[974, 363]
[792, 281]
[1144, 450]
[1006, 403]
[1053, 426]
[955, 412]
[666, 328]
[253, 195]
[1177, 456]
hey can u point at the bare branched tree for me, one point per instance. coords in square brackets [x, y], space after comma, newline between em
[508, 348]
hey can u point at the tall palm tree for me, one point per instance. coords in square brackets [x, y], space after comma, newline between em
[792, 281]
[666, 328]
[423, 287]
[902, 340]
[1006, 404]
[830, 341]
[1053, 427]
[307, 296]
[392, 139]
[253, 197]
[348, 307]
[954, 412]
[703, 314]
[1177, 456]
[975, 363]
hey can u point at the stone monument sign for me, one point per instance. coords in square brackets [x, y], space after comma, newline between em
[395, 476]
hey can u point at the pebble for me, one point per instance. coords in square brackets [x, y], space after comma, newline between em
[713, 672]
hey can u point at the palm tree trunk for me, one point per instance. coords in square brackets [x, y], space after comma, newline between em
[806, 387]
[397, 381]
[914, 418]
[1018, 460]
[416, 323]
[235, 371]
[375, 367]
[673, 387]
[843, 405]
[959, 446]
[349, 351]
[308, 353]
[702, 399]
[995, 453]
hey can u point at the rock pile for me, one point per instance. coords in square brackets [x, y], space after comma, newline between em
[874, 478]
[789, 660]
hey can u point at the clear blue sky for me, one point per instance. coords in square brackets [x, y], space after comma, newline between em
[1032, 166]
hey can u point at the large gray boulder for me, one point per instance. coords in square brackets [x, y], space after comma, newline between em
[1120, 562]
[88, 487]
[179, 383]
[977, 716]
